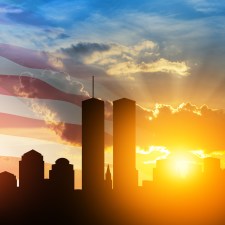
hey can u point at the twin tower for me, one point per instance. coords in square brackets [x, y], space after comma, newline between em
[125, 175]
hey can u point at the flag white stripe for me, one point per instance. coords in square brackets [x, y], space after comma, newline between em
[65, 111]
[56, 79]
[21, 145]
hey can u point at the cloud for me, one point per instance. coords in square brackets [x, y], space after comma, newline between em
[121, 60]
[183, 128]
[99, 27]
[35, 86]
[35, 37]
[29, 87]
[161, 65]
[69, 10]
[153, 153]
[48, 115]
[5, 9]
[63, 36]
[207, 6]
[68, 133]
[82, 49]
[122, 53]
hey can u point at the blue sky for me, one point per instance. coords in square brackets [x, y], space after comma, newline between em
[67, 18]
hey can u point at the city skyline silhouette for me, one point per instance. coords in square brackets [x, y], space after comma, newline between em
[167, 199]
[144, 144]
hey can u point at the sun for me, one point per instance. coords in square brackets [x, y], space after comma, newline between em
[181, 166]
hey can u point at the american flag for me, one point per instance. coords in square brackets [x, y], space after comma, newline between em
[34, 94]
[41, 103]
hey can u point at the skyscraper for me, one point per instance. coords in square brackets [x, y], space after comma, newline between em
[31, 171]
[92, 144]
[108, 180]
[124, 145]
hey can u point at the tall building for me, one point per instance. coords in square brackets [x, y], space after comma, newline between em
[124, 145]
[62, 176]
[92, 144]
[31, 171]
[108, 179]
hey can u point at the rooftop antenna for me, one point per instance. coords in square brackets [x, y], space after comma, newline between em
[93, 86]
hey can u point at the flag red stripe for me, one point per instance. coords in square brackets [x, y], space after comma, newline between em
[14, 121]
[71, 133]
[35, 88]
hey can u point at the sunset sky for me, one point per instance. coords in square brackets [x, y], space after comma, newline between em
[167, 56]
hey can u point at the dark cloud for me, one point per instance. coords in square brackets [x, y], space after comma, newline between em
[184, 128]
[72, 134]
[31, 87]
[84, 48]
[63, 36]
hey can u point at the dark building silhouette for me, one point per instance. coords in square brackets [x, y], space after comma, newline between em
[31, 171]
[124, 145]
[8, 194]
[92, 145]
[108, 179]
[61, 176]
[196, 199]
[8, 182]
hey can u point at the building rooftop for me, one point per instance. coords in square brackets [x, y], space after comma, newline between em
[32, 153]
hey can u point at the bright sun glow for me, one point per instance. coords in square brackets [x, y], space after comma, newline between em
[181, 166]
